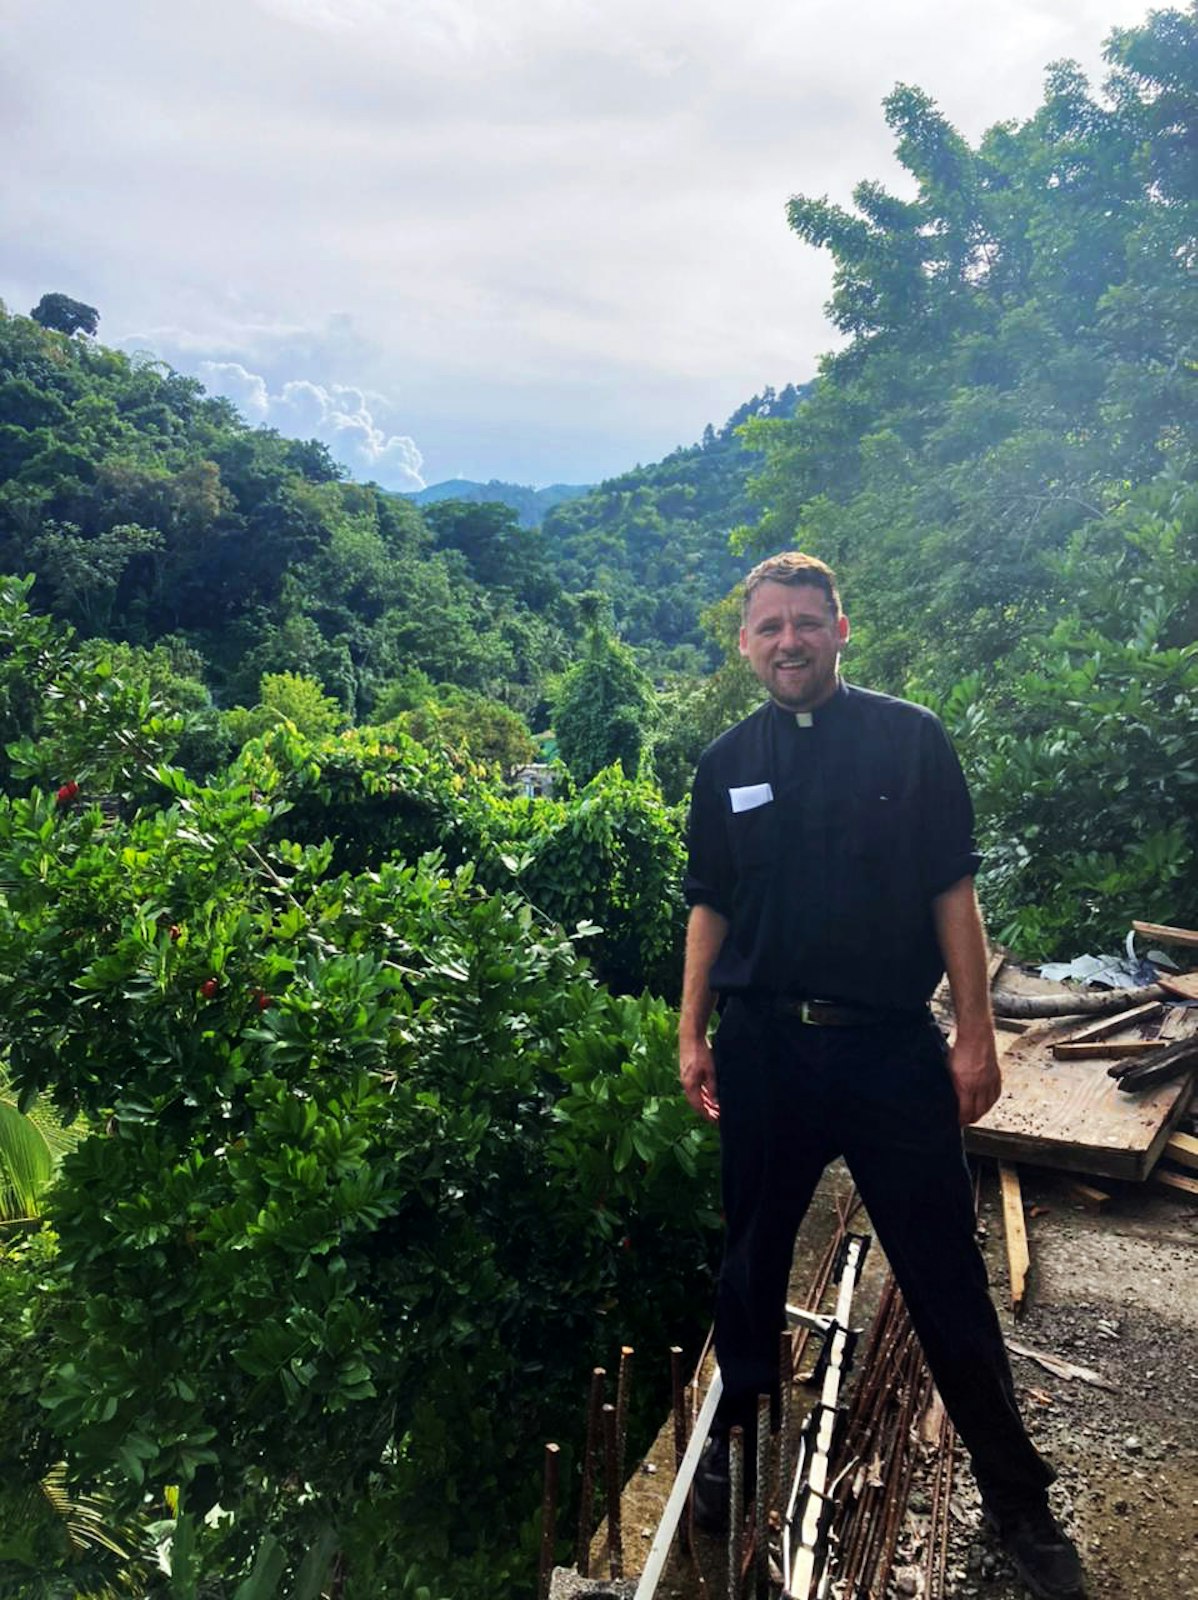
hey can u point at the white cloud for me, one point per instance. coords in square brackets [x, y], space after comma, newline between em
[245, 389]
[562, 221]
[339, 416]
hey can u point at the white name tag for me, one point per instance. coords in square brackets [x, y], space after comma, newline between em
[751, 796]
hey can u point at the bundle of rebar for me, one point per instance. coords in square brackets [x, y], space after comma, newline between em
[849, 1475]
[879, 1458]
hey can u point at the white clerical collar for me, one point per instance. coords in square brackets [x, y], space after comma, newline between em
[804, 719]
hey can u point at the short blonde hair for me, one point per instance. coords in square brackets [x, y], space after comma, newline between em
[793, 568]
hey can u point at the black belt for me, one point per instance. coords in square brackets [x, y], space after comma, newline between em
[831, 1014]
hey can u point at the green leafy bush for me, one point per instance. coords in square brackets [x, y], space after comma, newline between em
[369, 1150]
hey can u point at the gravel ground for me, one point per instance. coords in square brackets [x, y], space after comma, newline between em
[1115, 1291]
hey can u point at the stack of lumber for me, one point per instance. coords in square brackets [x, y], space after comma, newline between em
[1100, 1084]
[1101, 1097]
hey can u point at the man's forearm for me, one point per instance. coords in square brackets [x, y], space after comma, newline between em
[705, 933]
[962, 940]
[973, 1062]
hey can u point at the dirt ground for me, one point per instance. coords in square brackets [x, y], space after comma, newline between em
[1115, 1291]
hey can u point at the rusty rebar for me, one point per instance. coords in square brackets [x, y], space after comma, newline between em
[548, 1518]
[869, 1516]
[678, 1404]
[623, 1391]
[762, 1500]
[936, 1559]
[736, 1507]
[586, 1507]
[786, 1371]
[615, 1536]
[681, 1432]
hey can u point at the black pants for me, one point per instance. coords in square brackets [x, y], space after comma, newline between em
[792, 1098]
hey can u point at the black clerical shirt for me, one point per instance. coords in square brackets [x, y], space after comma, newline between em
[823, 840]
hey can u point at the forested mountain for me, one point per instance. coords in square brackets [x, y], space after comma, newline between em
[150, 512]
[656, 539]
[530, 505]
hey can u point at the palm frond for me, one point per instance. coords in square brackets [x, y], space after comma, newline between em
[27, 1164]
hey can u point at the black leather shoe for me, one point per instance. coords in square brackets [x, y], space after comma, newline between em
[712, 1486]
[712, 1490]
[1043, 1554]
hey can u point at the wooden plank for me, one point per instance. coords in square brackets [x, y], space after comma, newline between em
[1061, 1368]
[1088, 1194]
[1105, 1026]
[1019, 1257]
[1167, 935]
[1183, 1149]
[1176, 1180]
[1183, 985]
[1105, 1049]
[1179, 1056]
[1070, 1115]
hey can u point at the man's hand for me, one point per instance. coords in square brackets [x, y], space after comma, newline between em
[696, 1068]
[705, 933]
[973, 1067]
[973, 1059]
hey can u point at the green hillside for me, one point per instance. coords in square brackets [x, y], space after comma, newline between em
[530, 505]
[656, 539]
[150, 513]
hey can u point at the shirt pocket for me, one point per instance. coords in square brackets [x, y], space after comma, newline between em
[753, 836]
[878, 828]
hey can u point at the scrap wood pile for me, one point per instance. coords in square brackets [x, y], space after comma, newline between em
[1096, 1085]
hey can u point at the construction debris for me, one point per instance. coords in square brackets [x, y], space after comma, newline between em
[1167, 935]
[1018, 1254]
[1158, 1066]
[1060, 1368]
[1072, 1003]
[1183, 1149]
[1070, 1114]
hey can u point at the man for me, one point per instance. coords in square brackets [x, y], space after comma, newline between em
[830, 880]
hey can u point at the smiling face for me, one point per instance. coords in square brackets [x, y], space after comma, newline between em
[792, 639]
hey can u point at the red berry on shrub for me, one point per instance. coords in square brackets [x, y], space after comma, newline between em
[67, 793]
[209, 987]
[262, 998]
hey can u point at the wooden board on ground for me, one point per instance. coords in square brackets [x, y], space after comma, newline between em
[1015, 1229]
[1166, 934]
[1071, 1115]
[1183, 1148]
[1176, 1180]
[1184, 985]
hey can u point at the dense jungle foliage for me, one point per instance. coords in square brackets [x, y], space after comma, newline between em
[366, 1166]
[1001, 464]
[356, 1139]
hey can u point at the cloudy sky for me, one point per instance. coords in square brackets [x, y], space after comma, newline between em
[538, 240]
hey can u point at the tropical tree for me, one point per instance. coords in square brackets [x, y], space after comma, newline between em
[603, 707]
[63, 315]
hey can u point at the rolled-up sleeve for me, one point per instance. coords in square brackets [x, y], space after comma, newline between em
[708, 880]
[947, 823]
